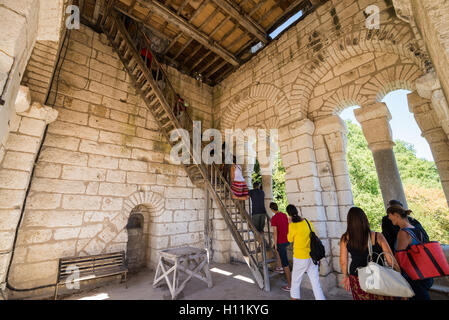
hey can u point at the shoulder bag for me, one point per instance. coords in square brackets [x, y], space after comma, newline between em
[382, 280]
[423, 260]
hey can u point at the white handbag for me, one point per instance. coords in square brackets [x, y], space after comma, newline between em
[380, 280]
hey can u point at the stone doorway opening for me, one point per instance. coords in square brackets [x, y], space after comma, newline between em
[137, 248]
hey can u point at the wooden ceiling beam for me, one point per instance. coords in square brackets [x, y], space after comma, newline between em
[237, 40]
[194, 52]
[208, 65]
[216, 69]
[225, 74]
[182, 6]
[172, 42]
[198, 11]
[227, 34]
[257, 7]
[222, 23]
[189, 29]
[132, 5]
[199, 61]
[243, 19]
[183, 48]
[267, 14]
[97, 11]
[146, 24]
[179, 35]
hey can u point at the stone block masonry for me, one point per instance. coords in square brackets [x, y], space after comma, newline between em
[104, 157]
[101, 158]
[303, 80]
[16, 164]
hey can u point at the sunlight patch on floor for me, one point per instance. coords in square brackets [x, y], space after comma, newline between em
[100, 296]
[216, 270]
[246, 279]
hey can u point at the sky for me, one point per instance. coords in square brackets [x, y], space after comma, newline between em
[403, 123]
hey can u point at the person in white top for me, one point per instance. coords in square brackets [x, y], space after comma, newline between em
[238, 184]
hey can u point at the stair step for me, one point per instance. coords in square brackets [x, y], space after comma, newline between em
[268, 261]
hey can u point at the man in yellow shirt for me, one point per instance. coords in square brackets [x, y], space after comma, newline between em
[299, 234]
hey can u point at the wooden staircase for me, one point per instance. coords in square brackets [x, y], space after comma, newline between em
[160, 99]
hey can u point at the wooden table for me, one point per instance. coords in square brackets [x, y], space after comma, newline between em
[191, 261]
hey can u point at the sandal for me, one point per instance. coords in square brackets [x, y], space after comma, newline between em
[286, 288]
[279, 270]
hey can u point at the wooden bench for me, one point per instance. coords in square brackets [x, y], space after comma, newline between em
[77, 269]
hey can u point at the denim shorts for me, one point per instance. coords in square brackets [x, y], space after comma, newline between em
[282, 250]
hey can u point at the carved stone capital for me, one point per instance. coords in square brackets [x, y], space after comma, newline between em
[330, 125]
[374, 120]
[373, 111]
[336, 142]
[427, 84]
[439, 104]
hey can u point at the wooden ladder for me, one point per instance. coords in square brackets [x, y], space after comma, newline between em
[160, 99]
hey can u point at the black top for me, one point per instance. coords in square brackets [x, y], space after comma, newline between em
[360, 259]
[257, 201]
[391, 231]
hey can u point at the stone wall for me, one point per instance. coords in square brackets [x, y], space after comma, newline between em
[101, 158]
[16, 165]
[19, 23]
[104, 155]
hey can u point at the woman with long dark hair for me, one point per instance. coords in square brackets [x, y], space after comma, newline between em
[408, 235]
[299, 234]
[355, 241]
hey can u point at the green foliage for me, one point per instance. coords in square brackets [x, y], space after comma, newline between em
[279, 193]
[420, 179]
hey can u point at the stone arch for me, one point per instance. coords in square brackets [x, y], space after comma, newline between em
[400, 76]
[113, 235]
[252, 94]
[357, 41]
[394, 78]
[144, 197]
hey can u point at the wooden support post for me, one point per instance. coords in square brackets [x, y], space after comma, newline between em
[207, 240]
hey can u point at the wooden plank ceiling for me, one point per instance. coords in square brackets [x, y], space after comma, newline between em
[206, 39]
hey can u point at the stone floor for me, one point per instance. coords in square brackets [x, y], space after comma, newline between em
[231, 282]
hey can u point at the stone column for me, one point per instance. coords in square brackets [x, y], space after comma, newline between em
[374, 120]
[430, 124]
[303, 186]
[334, 131]
[330, 142]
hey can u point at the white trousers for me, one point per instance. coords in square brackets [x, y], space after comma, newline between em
[299, 267]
